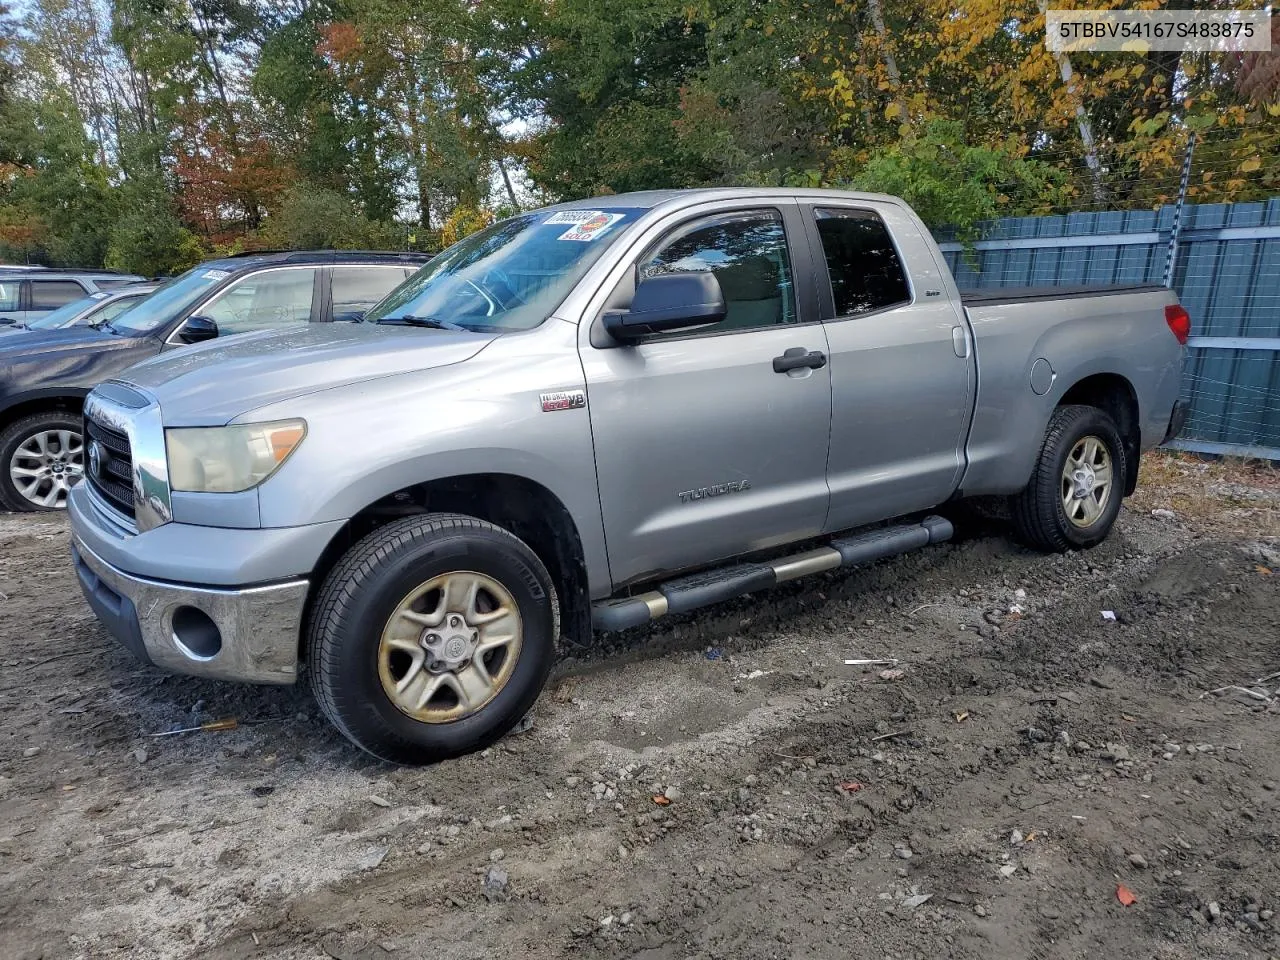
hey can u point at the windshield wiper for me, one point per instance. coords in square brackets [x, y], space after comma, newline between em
[433, 322]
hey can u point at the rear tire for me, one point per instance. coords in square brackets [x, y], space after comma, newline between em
[41, 458]
[1066, 506]
[432, 637]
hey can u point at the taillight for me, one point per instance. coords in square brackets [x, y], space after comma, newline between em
[1179, 321]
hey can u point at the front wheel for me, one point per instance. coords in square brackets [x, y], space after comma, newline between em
[1074, 495]
[41, 458]
[432, 638]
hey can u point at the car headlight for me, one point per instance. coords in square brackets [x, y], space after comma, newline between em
[229, 459]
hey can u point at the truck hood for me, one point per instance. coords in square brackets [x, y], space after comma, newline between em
[217, 381]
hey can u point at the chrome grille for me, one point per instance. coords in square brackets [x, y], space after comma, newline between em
[113, 481]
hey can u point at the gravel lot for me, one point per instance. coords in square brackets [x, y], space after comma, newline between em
[984, 803]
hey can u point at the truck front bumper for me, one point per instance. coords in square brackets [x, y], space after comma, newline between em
[249, 634]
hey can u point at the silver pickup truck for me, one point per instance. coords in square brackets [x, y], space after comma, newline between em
[587, 417]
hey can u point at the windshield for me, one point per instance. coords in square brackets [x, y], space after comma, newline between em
[509, 276]
[168, 301]
[65, 315]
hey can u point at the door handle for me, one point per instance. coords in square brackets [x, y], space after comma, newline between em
[797, 357]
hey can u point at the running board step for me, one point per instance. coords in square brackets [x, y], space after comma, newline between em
[713, 586]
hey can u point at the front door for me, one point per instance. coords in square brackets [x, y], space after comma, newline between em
[703, 450]
[902, 370]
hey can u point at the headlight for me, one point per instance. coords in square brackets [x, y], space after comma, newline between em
[229, 459]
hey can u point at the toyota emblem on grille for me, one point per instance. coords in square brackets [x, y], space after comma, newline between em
[97, 457]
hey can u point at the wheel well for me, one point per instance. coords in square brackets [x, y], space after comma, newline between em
[40, 405]
[527, 509]
[1113, 394]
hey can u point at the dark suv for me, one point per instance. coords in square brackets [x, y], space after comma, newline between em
[45, 374]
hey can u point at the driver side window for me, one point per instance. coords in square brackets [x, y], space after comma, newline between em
[263, 301]
[747, 252]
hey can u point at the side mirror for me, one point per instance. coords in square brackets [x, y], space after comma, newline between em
[669, 301]
[349, 316]
[197, 330]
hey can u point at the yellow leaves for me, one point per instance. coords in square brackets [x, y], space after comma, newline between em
[769, 29]
[892, 110]
[1250, 165]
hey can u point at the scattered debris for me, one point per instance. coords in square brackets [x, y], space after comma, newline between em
[1125, 895]
[918, 900]
[851, 786]
[897, 673]
[140, 755]
[1162, 514]
[373, 859]
[1233, 688]
[753, 675]
[524, 726]
[891, 736]
[1008, 870]
[961, 716]
[714, 653]
[213, 726]
[672, 794]
[660, 800]
[495, 884]
[378, 801]
[31, 752]
[1109, 615]
[871, 663]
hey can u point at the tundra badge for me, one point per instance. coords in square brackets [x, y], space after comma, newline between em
[563, 400]
[715, 490]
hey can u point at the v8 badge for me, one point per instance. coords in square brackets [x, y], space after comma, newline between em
[563, 400]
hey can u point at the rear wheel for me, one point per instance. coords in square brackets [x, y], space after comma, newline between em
[1074, 495]
[432, 638]
[41, 458]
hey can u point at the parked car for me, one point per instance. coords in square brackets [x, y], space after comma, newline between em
[27, 294]
[592, 416]
[45, 374]
[90, 311]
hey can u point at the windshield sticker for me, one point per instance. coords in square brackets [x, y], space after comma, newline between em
[592, 224]
[215, 274]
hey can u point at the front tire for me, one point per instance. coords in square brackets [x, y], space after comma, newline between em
[1074, 495]
[432, 637]
[41, 459]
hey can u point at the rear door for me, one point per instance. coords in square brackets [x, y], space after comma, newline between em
[703, 450]
[47, 295]
[356, 288]
[902, 370]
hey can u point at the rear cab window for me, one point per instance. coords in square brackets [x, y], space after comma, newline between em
[9, 294]
[863, 264]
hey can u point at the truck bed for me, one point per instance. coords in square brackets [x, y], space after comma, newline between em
[991, 296]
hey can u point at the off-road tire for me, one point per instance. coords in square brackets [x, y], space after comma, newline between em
[359, 595]
[1039, 519]
[13, 436]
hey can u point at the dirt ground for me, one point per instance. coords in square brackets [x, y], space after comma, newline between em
[986, 803]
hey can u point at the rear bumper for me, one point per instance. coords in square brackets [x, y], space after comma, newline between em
[257, 628]
[1177, 420]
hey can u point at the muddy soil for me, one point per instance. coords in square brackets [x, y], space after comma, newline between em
[990, 801]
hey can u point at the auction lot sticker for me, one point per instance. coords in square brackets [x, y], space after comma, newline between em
[587, 224]
[1137, 31]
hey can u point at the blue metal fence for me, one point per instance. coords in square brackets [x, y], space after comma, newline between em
[1227, 274]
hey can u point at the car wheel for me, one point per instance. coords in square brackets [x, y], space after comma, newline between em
[1074, 495]
[41, 458]
[432, 637]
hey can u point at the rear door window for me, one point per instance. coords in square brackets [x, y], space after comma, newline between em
[359, 288]
[865, 269]
[9, 294]
[51, 294]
